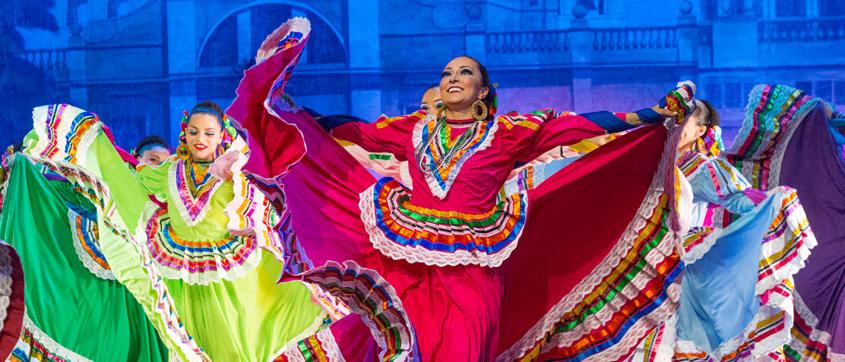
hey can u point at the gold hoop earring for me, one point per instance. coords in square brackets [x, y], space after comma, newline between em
[479, 110]
[182, 152]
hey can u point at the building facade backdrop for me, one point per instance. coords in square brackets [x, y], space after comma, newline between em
[139, 63]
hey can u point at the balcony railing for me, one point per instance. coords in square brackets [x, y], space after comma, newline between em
[47, 59]
[603, 40]
[791, 30]
[633, 39]
[529, 41]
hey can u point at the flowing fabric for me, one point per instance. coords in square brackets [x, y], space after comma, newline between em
[740, 253]
[595, 290]
[327, 173]
[786, 140]
[75, 310]
[12, 304]
[11, 298]
[180, 263]
[380, 328]
[209, 292]
[420, 302]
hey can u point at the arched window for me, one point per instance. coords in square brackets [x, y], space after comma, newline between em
[221, 48]
[252, 24]
[230, 46]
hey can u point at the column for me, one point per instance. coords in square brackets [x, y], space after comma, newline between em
[245, 53]
[182, 49]
[813, 8]
[581, 49]
[364, 59]
[735, 41]
[687, 43]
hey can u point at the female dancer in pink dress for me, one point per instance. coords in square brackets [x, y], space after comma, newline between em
[437, 270]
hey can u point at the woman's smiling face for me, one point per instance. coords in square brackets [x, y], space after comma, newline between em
[461, 84]
[203, 136]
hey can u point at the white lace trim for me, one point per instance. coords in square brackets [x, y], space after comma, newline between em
[285, 104]
[237, 221]
[816, 334]
[795, 220]
[425, 256]
[86, 259]
[48, 343]
[806, 314]
[185, 275]
[777, 302]
[780, 147]
[327, 342]
[779, 150]
[246, 197]
[769, 344]
[177, 198]
[39, 116]
[249, 198]
[399, 326]
[663, 348]
[6, 281]
[697, 252]
[164, 306]
[605, 267]
[268, 48]
[313, 328]
[592, 281]
[433, 185]
[107, 214]
[335, 308]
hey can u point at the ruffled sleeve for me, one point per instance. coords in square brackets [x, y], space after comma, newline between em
[71, 142]
[275, 145]
[154, 178]
[537, 132]
[387, 134]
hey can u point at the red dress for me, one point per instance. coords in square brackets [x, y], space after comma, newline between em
[584, 265]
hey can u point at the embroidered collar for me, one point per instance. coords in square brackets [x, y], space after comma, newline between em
[193, 187]
[440, 157]
[690, 161]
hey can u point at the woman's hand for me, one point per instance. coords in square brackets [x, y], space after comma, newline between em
[241, 233]
[645, 116]
[222, 166]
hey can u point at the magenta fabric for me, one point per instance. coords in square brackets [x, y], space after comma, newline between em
[457, 311]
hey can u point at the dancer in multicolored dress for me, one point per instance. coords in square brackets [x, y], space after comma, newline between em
[72, 294]
[438, 267]
[12, 304]
[205, 267]
[790, 138]
[741, 251]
